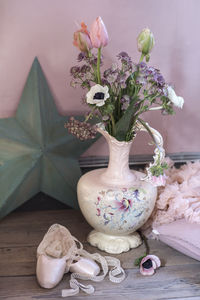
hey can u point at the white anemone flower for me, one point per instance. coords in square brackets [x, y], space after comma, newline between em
[176, 100]
[97, 95]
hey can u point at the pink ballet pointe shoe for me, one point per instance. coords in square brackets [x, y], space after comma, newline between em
[50, 270]
[55, 256]
[58, 254]
[85, 266]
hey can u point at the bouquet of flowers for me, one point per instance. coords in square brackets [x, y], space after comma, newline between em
[119, 95]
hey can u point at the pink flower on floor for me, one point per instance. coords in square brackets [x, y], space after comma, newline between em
[148, 264]
[158, 180]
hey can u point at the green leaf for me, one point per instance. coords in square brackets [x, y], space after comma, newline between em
[165, 165]
[125, 124]
[147, 58]
[138, 260]
[158, 170]
[107, 109]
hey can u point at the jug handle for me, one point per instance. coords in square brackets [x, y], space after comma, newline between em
[159, 152]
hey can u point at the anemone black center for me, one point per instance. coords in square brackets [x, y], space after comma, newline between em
[147, 264]
[98, 96]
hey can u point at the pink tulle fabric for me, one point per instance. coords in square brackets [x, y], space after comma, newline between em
[180, 197]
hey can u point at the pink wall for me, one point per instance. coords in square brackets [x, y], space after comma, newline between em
[44, 28]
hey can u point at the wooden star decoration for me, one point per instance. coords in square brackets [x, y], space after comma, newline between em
[36, 151]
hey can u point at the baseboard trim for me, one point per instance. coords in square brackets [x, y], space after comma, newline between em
[102, 161]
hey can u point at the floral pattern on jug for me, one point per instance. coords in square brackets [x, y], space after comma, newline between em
[124, 209]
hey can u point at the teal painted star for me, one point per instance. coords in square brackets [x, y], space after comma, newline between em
[36, 152]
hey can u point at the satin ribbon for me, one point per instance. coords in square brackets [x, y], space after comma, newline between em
[116, 274]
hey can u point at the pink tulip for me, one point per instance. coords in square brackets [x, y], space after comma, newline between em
[98, 33]
[82, 39]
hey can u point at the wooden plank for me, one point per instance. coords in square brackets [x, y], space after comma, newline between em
[174, 282]
[22, 260]
[28, 228]
[181, 298]
[20, 234]
[14, 232]
[19, 242]
[17, 261]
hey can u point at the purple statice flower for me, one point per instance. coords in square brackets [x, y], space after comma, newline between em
[105, 118]
[107, 73]
[142, 66]
[85, 69]
[122, 54]
[112, 70]
[125, 60]
[160, 91]
[153, 89]
[141, 79]
[143, 73]
[73, 83]
[159, 79]
[165, 91]
[104, 82]
[74, 71]
[125, 100]
[114, 67]
[93, 61]
[150, 71]
[86, 84]
[134, 67]
[137, 104]
[129, 67]
[125, 105]
[121, 80]
[81, 56]
[123, 85]
[112, 77]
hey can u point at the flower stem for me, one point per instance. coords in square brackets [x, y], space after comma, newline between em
[156, 108]
[147, 250]
[88, 117]
[113, 125]
[141, 58]
[119, 104]
[98, 66]
[143, 237]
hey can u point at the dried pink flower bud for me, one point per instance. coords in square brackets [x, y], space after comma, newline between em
[81, 130]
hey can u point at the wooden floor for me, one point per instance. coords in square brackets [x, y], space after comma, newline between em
[21, 232]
